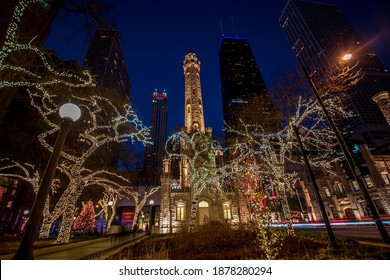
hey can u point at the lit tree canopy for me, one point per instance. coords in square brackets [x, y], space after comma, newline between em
[269, 152]
[197, 151]
[27, 66]
[102, 123]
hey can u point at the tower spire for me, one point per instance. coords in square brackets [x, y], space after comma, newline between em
[193, 107]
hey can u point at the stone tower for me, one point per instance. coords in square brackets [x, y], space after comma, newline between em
[193, 116]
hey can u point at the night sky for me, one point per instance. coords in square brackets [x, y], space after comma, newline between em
[156, 35]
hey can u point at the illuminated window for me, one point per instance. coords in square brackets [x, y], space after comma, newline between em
[386, 178]
[175, 187]
[180, 212]
[340, 188]
[239, 101]
[368, 181]
[227, 213]
[355, 186]
[327, 192]
[203, 204]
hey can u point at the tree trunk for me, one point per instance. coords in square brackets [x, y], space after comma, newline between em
[66, 225]
[45, 230]
[286, 210]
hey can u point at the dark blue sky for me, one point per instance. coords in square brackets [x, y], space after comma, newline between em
[156, 35]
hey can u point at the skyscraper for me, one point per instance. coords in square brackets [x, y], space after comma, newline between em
[158, 121]
[244, 94]
[193, 115]
[320, 35]
[106, 62]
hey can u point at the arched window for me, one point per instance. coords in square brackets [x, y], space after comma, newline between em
[227, 213]
[203, 204]
[180, 212]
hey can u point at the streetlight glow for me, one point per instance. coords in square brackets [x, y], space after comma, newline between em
[70, 111]
[347, 56]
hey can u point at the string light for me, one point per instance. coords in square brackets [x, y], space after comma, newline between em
[22, 76]
[107, 123]
[100, 131]
[139, 204]
[203, 174]
[85, 221]
[273, 151]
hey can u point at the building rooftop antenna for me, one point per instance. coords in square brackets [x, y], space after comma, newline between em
[221, 26]
[234, 26]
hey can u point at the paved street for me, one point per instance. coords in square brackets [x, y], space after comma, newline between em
[362, 230]
[84, 249]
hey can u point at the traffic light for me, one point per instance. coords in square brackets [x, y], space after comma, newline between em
[354, 148]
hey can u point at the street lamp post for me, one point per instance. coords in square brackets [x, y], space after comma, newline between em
[331, 235]
[354, 168]
[110, 203]
[170, 210]
[69, 113]
[151, 217]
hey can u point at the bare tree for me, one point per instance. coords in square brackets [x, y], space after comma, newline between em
[104, 123]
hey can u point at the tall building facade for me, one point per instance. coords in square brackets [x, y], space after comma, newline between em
[320, 35]
[193, 114]
[244, 94]
[106, 62]
[155, 152]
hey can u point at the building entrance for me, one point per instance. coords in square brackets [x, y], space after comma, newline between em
[204, 213]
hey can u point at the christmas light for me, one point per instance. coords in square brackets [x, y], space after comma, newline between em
[17, 61]
[139, 204]
[105, 123]
[269, 153]
[197, 152]
[85, 221]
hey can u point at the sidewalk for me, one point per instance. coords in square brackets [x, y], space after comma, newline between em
[80, 250]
